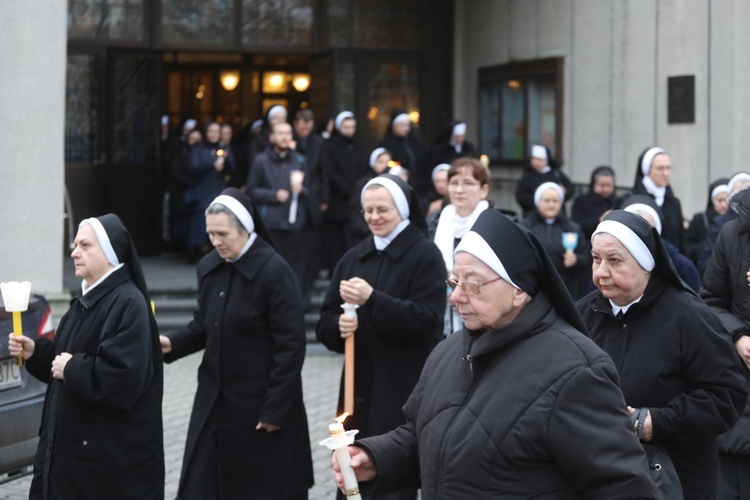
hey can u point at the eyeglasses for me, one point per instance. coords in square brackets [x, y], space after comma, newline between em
[469, 287]
[466, 185]
[378, 211]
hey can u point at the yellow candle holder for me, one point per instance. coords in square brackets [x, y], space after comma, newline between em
[16, 300]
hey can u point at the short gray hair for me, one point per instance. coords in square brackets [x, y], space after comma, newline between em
[218, 208]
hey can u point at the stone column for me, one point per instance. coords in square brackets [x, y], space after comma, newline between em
[33, 44]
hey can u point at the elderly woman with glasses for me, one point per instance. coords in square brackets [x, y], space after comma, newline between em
[675, 359]
[468, 189]
[396, 276]
[519, 403]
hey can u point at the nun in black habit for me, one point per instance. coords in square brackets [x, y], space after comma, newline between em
[101, 431]
[520, 403]
[673, 355]
[697, 232]
[652, 175]
[248, 436]
[449, 145]
[396, 276]
[407, 150]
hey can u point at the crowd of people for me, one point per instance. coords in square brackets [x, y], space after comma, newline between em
[603, 354]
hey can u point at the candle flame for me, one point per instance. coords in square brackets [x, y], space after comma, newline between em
[340, 419]
[220, 152]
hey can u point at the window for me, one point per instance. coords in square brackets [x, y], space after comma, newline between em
[520, 104]
[105, 19]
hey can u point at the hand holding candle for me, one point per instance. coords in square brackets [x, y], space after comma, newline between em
[16, 300]
[219, 163]
[570, 242]
[339, 442]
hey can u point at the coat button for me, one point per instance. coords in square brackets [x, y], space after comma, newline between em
[85, 443]
[216, 324]
[624, 326]
[221, 295]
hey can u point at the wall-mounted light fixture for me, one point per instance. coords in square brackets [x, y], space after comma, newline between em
[301, 82]
[229, 79]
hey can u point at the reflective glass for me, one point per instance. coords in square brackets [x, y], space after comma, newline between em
[542, 112]
[513, 120]
[80, 109]
[392, 85]
[197, 21]
[370, 24]
[279, 23]
[105, 19]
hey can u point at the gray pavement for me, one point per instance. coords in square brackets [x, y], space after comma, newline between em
[320, 380]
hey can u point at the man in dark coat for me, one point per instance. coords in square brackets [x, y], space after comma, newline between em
[673, 356]
[248, 435]
[726, 291]
[101, 432]
[520, 403]
[279, 183]
[397, 278]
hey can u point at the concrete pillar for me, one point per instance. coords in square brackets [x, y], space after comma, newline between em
[33, 39]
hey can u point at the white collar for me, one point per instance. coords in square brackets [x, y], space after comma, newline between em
[86, 289]
[546, 169]
[250, 241]
[653, 189]
[451, 226]
[616, 309]
[381, 242]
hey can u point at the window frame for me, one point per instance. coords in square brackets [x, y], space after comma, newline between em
[524, 71]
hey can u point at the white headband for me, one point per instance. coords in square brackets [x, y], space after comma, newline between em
[164, 120]
[741, 177]
[399, 198]
[403, 117]
[472, 243]
[439, 168]
[648, 157]
[341, 117]
[275, 109]
[721, 188]
[256, 124]
[104, 242]
[642, 207]
[375, 155]
[189, 124]
[629, 240]
[538, 151]
[237, 208]
[459, 129]
[545, 186]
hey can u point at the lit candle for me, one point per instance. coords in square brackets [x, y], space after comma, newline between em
[16, 300]
[485, 161]
[339, 442]
[295, 181]
[350, 311]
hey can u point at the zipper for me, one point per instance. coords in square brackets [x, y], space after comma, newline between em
[446, 433]
[467, 358]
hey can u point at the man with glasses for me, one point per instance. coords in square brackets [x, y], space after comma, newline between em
[518, 404]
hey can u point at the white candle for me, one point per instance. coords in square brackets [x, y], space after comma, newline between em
[340, 443]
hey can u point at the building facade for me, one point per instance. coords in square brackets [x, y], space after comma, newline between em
[599, 81]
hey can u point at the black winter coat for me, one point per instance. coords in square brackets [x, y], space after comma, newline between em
[530, 410]
[576, 278]
[344, 161]
[672, 228]
[398, 326]
[531, 179]
[409, 153]
[208, 182]
[675, 358]
[726, 291]
[269, 173]
[250, 321]
[101, 432]
[588, 209]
